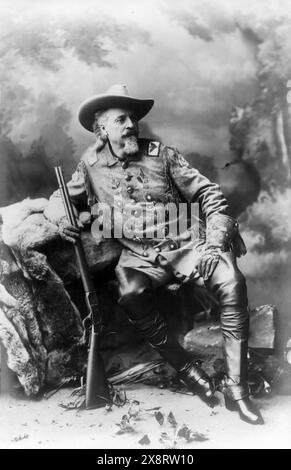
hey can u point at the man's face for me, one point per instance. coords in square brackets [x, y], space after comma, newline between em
[121, 126]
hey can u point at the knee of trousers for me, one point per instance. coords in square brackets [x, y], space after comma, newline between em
[132, 288]
[230, 289]
[131, 295]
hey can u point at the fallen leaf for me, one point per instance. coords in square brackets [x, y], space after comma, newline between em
[197, 436]
[164, 437]
[172, 420]
[159, 417]
[145, 440]
[184, 432]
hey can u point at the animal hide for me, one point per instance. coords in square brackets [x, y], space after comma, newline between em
[40, 326]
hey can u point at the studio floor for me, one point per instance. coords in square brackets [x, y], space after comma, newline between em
[44, 424]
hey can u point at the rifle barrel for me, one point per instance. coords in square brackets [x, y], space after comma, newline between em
[97, 390]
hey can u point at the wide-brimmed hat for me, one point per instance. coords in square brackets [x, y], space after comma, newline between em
[116, 96]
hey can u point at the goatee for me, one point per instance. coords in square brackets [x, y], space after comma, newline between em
[131, 146]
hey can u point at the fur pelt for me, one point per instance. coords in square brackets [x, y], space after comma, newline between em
[38, 320]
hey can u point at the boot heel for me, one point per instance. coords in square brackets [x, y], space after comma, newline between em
[198, 382]
[229, 404]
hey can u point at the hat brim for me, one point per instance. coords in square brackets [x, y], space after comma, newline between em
[91, 106]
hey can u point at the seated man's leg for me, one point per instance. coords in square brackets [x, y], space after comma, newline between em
[228, 285]
[136, 296]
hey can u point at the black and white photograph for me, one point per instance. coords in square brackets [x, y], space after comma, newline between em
[145, 227]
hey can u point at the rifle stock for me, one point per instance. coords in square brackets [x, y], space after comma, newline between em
[97, 389]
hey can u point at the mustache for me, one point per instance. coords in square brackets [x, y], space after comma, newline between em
[130, 133]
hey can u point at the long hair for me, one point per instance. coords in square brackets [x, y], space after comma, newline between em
[101, 136]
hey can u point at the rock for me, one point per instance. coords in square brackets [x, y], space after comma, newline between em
[65, 362]
[205, 339]
[264, 327]
[100, 253]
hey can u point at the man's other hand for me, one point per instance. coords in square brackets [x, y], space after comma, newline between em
[68, 232]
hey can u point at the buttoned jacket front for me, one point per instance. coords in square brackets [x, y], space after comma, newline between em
[156, 176]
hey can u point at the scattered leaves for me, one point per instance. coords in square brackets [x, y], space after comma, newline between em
[119, 397]
[20, 438]
[167, 440]
[108, 407]
[134, 409]
[125, 426]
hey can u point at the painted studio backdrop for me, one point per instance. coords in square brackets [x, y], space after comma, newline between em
[218, 71]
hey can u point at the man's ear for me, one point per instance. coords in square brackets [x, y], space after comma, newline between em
[101, 138]
[104, 131]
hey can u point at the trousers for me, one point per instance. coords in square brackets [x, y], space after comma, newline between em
[227, 284]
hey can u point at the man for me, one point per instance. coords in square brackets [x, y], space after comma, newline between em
[130, 175]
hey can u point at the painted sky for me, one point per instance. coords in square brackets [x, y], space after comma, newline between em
[194, 58]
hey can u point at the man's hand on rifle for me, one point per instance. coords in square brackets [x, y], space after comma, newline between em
[68, 232]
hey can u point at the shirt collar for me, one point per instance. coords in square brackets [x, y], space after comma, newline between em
[94, 156]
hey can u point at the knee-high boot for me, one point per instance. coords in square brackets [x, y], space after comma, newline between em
[142, 313]
[235, 386]
[228, 284]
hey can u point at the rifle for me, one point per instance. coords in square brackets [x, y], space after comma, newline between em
[97, 389]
